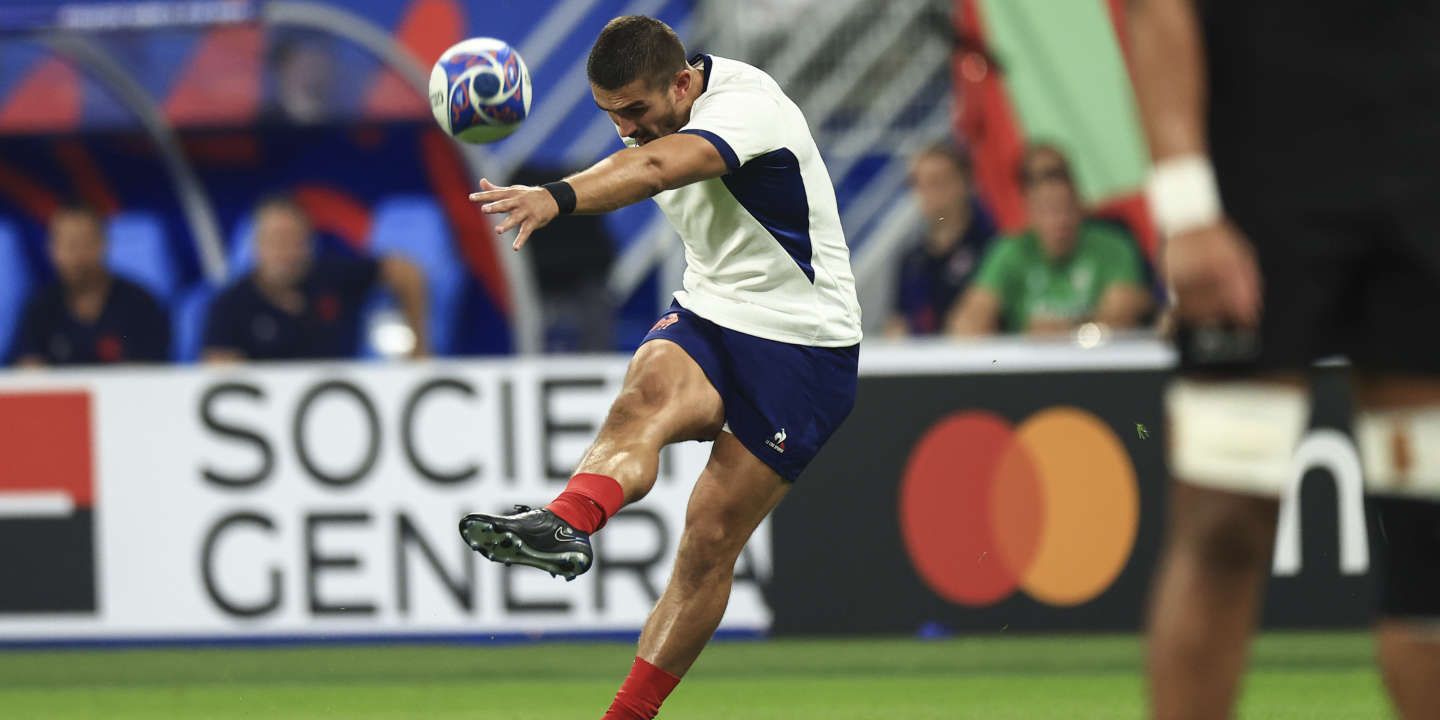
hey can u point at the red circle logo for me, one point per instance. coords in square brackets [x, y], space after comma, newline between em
[1050, 507]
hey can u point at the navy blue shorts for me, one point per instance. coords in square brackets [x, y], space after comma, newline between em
[782, 401]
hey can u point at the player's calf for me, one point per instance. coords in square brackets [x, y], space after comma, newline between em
[1236, 436]
[665, 398]
[1400, 448]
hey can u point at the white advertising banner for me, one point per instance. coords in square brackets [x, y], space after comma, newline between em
[317, 501]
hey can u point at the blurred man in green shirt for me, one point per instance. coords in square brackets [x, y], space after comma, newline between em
[1061, 272]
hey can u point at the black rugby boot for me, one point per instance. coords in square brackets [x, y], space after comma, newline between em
[529, 536]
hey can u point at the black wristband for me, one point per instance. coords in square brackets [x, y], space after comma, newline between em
[564, 195]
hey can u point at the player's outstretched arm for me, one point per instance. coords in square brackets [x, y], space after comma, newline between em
[635, 174]
[624, 178]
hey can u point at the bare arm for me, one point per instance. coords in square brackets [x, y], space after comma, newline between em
[1122, 305]
[221, 356]
[30, 361]
[634, 174]
[624, 178]
[408, 284]
[1208, 265]
[1169, 73]
[978, 314]
[1048, 326]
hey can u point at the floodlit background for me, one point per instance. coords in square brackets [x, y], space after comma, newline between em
[183, 538]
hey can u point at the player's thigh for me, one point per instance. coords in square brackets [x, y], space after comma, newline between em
[1231, 444]
[667, 395]
[1236, 433]
[1390, 391]
[1396, 357]
[1397, 429]
[733, 495]
[1397, 398]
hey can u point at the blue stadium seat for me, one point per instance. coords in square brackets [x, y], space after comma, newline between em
[14, 286]
[140, 251]
[413, 226]
[188, 320]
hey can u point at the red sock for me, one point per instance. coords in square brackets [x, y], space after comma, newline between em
[640, 696]
[588, 501]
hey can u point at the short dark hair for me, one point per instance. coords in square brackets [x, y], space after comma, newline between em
[946, 150]
[1060, 172]
[286, 45]
[80, 208]
[635, 47]
[280, 201]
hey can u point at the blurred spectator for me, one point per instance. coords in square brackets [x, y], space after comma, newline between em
[1063, 271]
[572, 257]
[294, 305]
[89, 316]
[956, 233]
[302, 68]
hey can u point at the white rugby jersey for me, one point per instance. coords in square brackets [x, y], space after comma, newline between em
[764, 251]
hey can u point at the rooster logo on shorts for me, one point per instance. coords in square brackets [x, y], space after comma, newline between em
[665, 322]
[777, 441]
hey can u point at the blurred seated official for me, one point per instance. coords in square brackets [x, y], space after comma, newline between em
[90, 315]
[956, 233]
[571, 258]
[296, 306]
[1062, 272]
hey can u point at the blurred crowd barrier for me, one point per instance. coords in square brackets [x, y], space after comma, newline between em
[994, 486]
[316, 501]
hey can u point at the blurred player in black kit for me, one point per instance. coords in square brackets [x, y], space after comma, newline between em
[1297, 171]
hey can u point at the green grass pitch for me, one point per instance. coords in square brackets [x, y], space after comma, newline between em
[1308, 675]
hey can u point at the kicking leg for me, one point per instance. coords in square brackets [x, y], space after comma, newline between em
[734, 494]
[666, 398]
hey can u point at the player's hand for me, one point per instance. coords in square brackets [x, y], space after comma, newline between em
[526, 207]
[1213, 276]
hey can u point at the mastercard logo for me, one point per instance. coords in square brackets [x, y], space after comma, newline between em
[1050, 507]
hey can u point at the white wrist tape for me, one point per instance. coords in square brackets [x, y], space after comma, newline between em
[1182, 194]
